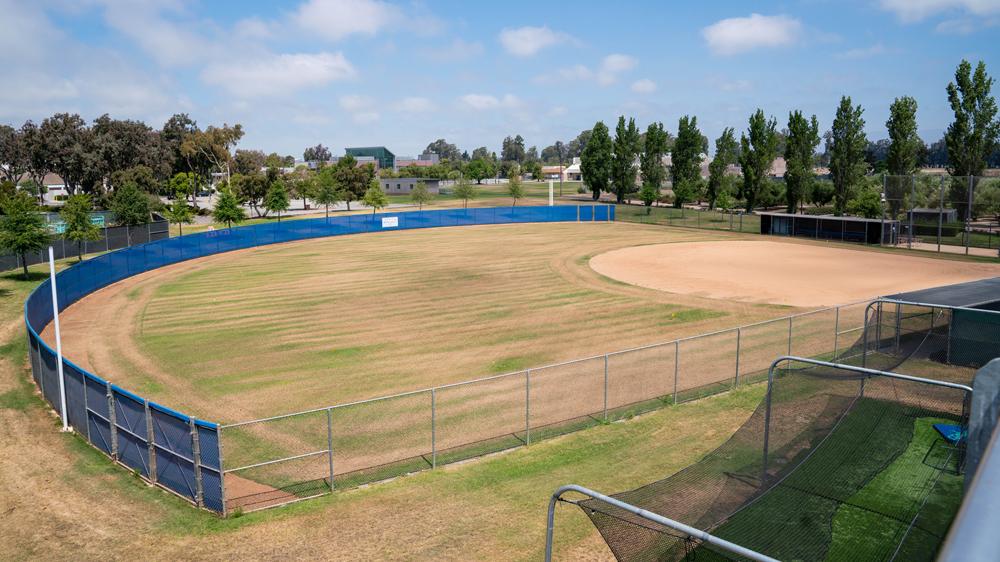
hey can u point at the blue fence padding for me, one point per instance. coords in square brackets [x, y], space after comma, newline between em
[86, 394]
[76, 411]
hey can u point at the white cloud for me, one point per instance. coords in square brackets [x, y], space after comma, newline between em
[415, 105]
[365, 117]
[909, 11]
[169, 43]
[337, 19]
[863, 52]
[457, 50]
[607, 72]
[481, 102]
[644, 86]
[736, 85]
[528, 40]
[737, 35]
[576, 72]
[278, 74]
[965, 26]
[558, 111]
[253, 28]
[355, 102]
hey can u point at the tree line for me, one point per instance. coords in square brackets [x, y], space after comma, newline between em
[631, 163]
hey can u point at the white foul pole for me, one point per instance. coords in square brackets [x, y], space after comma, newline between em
[551, 196]
[59, 357]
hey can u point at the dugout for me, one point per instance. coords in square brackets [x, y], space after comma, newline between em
[973, 330]
[828, 227]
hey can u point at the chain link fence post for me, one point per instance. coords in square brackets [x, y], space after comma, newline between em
[150, 446]
[739, 338]
[112, 420]
[789, 335]
[836, 334]
[199, 488]
[222, 471]
[968, 216]
[677, 366]
[527, 407]
[913, 202]
[329, 443]
[433, 428]
[605, 387]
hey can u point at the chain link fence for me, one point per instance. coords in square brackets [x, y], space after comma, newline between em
[957, 214]
[278, 460]
[112, 238]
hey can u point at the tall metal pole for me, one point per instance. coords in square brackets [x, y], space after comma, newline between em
[940, 214]
[59, 356]
[913, 198]
[968, 218]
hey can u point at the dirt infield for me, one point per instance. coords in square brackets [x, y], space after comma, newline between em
[780, 272]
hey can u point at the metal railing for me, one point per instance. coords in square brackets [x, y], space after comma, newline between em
[686, 530]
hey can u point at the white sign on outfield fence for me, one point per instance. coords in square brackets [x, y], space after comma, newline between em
[390, 222]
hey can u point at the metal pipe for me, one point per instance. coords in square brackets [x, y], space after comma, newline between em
[59, 355]
[329, 442]
[940, 215]
[527, 407]
[266, 463]
[739, 334]
[605, 387]
[434, 423]
[649, 516]
[677, 366]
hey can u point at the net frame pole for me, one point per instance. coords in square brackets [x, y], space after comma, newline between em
[647, 515]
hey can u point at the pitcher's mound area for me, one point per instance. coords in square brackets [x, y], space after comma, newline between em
[779, 272]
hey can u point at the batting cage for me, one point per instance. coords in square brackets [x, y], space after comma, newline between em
[838, 461]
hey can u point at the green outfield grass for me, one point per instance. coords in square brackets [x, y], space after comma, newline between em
[315, 323]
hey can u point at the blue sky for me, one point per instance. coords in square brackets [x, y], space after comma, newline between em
[401, 74]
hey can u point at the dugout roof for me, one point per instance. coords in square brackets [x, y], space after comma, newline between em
[969, 294]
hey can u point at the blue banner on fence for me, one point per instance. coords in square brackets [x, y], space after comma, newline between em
[167, 447]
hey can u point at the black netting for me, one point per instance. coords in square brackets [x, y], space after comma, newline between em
[831, 465]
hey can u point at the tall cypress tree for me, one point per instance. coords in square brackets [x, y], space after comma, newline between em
[904, 143]
[758, 149]
[847, 152]
[800, 150]
[726, 153]
[686, 160]
[596, 160]
[625, 147]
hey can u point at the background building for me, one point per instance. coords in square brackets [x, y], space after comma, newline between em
[404, 186]
[386, 160]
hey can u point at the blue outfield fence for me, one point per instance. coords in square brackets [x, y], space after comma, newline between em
[170, 449]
